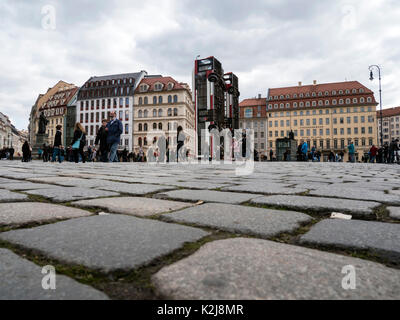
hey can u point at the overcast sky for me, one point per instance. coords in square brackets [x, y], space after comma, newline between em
[267, 43]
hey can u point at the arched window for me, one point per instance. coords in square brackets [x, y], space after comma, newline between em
[146, 114]
[369, 99]
[145, 128]
[355, 100]
[362, 100]
[154, 113]
[169, 112]
[140, 114]
[175, 98]
[169, 99]
[160, 99]
[160, 126]
[146, 100]
[348, 101]
[140, 142]
[175, 112]
[160, 113]
[154, 100]
[140, 101]
[145, 141]
[140, 127]
[154, 126]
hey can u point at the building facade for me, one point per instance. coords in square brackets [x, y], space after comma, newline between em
[327, 116]
[161, 105]
[99, 96]
[41, 105]
[253, 115]
[391, 124]
[5, 132]
[55, 108]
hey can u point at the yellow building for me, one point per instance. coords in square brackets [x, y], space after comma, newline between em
[161, 104]
[327, 116]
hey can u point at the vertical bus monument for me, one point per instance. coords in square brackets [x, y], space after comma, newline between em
[216, 99]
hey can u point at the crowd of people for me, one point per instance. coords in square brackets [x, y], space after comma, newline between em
[106, 148]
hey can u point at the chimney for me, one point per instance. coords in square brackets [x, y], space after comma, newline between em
[300, 84]
[315, 82]
[259, 96]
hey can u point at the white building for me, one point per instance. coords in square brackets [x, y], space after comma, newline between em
[99, 96]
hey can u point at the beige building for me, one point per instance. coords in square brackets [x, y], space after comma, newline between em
[161, 105]
[5, 131]
[391, 124]
[253, 115]
[327, 116]
[41, 105]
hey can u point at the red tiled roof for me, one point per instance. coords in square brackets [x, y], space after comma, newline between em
[390, 112]
[151, 81]
[61, 98]
[347, 85]
[253, 102]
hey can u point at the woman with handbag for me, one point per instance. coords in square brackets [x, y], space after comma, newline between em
[79, 142]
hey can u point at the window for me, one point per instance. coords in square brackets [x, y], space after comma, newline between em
[175, 112]
[126, 128]
[160, 126]
[160, 113]
[146, 114]
[154, 113]
[154, 100]
[248, 113]
[146, 100]
[154, 126]
[160, 99]
[175, 98]
[140, 142]
[140, 114]
[169, 112]
[145, 128]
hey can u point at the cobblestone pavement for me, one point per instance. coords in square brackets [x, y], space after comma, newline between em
[138, 231]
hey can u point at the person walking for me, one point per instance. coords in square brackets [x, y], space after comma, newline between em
[26, 152]
[45, 153]
[352, 152]
[373, 152]
[114, 130]
[304, 151]
[181, 142]
[79, 142]
[271, 155]
[101, 138]
[57, 145]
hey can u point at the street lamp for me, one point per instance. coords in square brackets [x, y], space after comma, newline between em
[371, 69]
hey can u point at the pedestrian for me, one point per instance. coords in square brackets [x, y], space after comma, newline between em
[304, 151]
[181, 142]
[125, 155]
[57, 145]
[114, 129]
[162, 148]
[101, 138]
[45, 153]
[271, 155]
[26, 152]
[352, 152]
[12, 151]
[78, 143]
[373, 152]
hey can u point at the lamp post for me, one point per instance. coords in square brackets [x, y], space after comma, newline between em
[371, 68]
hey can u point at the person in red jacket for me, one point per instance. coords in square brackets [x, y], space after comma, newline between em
[373, 152]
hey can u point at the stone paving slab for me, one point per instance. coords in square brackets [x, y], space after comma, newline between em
[252, 269]
[29, 212]
[382, 238]
[319, 204]
[356, 193]
[133, 189]
[394, 212]
[23, 185]
[107, 243]
[70, 181]
[7, 196]
[133, 206]
[240, 219]
[207, 195]
[22, 280]
[265, 188]
[63, 194]
[199, 184]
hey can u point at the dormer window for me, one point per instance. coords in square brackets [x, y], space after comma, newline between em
[143, 88]
[158, 87]
[170, 86]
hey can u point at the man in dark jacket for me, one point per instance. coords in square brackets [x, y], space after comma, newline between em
[102, 139]
[57, 145]
[114, 129]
